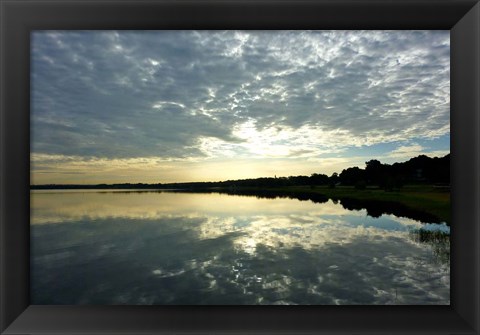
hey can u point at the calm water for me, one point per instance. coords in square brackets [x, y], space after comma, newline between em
[91, 247]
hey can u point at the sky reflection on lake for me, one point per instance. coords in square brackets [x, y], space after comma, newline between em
[91, 247]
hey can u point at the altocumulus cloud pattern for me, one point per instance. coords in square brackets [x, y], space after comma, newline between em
[157, 97]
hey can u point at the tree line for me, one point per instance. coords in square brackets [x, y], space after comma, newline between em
[418, 170]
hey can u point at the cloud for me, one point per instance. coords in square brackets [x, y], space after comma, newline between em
[408, 151]
[201, 94]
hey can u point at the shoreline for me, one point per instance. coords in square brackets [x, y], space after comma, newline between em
[427, 202]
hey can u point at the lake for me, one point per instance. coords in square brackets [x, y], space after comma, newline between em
[143, 248]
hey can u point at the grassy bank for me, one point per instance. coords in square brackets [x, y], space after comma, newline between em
[423, 198]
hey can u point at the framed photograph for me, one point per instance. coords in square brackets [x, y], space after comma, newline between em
[188, 167]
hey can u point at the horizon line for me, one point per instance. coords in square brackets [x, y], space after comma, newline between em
[227, 180]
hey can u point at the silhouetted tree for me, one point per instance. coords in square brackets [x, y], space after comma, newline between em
[352, 176]
[333, 180]
[319, 179]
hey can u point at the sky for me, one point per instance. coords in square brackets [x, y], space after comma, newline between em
[179, 106]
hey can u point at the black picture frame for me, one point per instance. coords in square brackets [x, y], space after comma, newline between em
[19, 17]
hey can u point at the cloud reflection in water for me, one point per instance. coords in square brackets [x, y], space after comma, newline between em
[164, 248]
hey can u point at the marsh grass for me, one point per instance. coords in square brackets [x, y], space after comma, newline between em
[438, 240]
